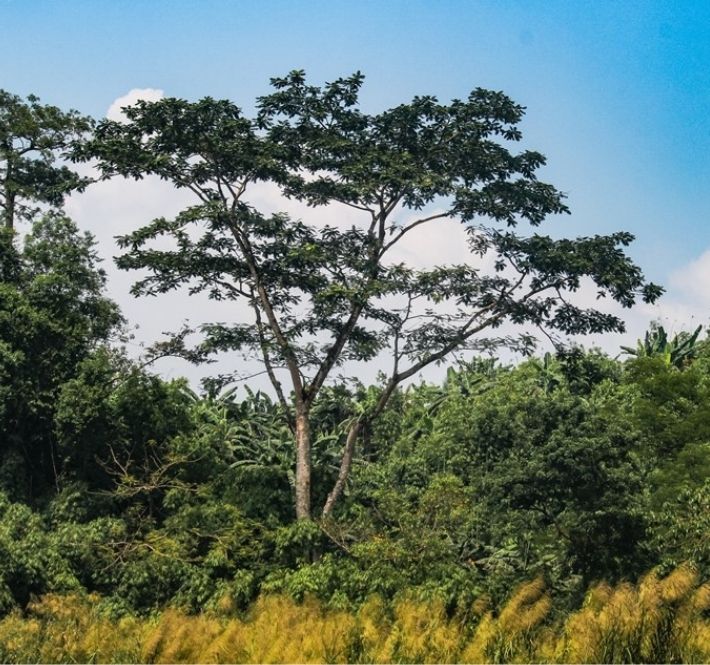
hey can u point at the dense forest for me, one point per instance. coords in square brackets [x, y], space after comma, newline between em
[552, 509]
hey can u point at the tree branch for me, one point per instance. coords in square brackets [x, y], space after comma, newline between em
[267, 361]
[408, 228]
[289, 355]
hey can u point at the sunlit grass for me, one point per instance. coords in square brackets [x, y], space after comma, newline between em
[656, 620]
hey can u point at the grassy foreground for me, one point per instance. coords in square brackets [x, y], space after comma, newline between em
[657, 620]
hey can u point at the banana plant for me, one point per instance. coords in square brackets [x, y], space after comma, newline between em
[254, 432]
[677, 352]
[465, 379]
[259, 434]
[549, 374]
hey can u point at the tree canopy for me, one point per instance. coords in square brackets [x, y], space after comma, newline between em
[53, 316]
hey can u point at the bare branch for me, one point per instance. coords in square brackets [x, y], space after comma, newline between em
[267, 358]
[408, 228]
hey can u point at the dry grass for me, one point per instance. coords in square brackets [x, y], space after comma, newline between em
[657, 620]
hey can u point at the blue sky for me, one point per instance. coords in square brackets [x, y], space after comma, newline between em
[618, 93]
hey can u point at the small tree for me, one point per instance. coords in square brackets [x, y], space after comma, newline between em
[33, 137]
[324, 295]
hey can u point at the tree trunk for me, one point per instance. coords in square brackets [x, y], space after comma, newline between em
[303, 465]
[344, 471]
[9, 209]
[349, 451]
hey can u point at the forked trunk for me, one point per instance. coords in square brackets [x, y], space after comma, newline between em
[303, 466]
[344, 471]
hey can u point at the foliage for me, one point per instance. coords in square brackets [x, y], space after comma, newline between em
[33, 138]
[31, 562]
[141, 521]
[681, 528]
[53, 317]
[560, 467]
[678, 351]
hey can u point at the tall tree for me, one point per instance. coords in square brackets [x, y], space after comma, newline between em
[321, 295]
[53, 315]
[33, 137]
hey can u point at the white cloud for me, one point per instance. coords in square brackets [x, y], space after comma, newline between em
[693, 282]
[684, 306]
[115, 111]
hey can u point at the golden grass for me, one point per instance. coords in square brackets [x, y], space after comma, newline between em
[657, 620]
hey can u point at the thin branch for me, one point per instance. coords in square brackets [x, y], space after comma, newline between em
[408, 228]
[267, 358]
[397, 334]
[338, 543]
[355, 206]
[286, 349]
[357, 308]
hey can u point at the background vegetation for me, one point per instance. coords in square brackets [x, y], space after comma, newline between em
[126, 495]
[510, 513]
